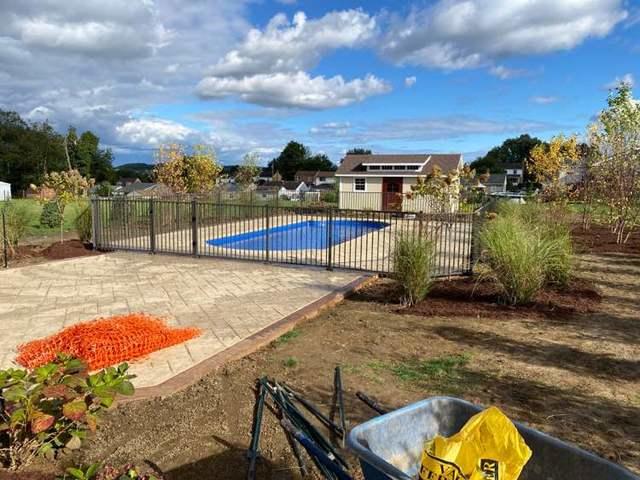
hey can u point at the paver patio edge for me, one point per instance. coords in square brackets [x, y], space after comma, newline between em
[250, 344]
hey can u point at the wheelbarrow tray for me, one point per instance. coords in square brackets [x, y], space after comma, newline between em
[390, 446]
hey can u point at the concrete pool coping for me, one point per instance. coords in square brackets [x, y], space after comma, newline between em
[250, 344]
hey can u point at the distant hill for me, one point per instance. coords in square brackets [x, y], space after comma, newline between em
[141, 167]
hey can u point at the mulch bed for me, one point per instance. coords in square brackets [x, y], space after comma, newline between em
[468, 297]
[600, 239]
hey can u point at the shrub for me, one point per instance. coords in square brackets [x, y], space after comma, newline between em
[516, 258]
[50, 216]
[84, 223]
[413, 258]
[558, 257]
[51, 408]
[17, 218]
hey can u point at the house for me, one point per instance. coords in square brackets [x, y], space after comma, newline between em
[514, 172]
[293, 190]
[496, 183]
[316, 178]
[5, 191]
[124, 181]
[575, 174]
[382, 182]
[268, 175]
[142, 189]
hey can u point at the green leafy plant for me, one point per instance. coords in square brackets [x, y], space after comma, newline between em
[95, 471]
[84, 223]
[51, 408]
[17, 219]
[290, 362]
[413, 259]
[50, 216]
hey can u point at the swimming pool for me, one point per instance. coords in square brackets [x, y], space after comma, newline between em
[311, 234]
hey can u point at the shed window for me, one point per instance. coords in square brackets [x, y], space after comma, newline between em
[360, 184]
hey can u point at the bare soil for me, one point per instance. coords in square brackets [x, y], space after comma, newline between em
[40, 253]
[573, 375]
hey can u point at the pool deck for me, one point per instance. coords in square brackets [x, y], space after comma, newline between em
[230, 301]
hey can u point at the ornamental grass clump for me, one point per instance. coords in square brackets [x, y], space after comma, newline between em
[515, 256]
[413, 260]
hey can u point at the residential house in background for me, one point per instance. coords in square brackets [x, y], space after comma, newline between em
[267, 175]
[5, 191]
[514, 173]
[382, 182]
[496, 183]
[142, 189]
[316, 178]
[293, 190]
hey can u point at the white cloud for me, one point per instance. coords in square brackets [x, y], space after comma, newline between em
[270, 67]
[294, 89]
[287, 2]
[331, 128]
[153, 131]
[544, 100]
[504, 73]
[410, 81]
[454, 34]
[298, 45]
[627, 78]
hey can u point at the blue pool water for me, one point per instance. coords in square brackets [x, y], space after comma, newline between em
[311, 234]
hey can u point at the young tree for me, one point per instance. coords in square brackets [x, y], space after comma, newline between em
[548, 161]
[196, 172]
[68, 186]
[248, 171]
[615, 161]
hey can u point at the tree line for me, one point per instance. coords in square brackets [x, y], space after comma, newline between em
[30, 150]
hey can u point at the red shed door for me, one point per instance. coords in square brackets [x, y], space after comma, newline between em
[392, 193]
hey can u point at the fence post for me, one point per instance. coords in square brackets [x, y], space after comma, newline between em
[329, 237]
[5, 242]
[94, 222]
[476, 225]
[194, 227]
[266, 234]
[152, 227]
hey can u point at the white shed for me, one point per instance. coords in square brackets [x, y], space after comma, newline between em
[5, 191]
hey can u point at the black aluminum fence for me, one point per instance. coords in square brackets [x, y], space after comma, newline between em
[327, 237]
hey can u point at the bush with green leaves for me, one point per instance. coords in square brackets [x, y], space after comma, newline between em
[413, 263]
[17, 218]
[50, 409]
[50, 216]
[83, 223]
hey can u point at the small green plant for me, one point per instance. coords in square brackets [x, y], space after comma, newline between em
[51, 408]
[413, 258]
[84, 223]
[290, 362]
[287, 337]
[50, 216]
[95, 471]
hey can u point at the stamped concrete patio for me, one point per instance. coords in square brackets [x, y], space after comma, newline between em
[228, 300]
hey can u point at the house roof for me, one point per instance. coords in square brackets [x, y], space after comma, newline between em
[355, 164]
[315, 173]
[291, 185]
[266, 172]
[496, 179]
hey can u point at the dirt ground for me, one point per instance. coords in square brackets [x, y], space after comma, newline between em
[43, 252]
[574, 376]
[600, 239]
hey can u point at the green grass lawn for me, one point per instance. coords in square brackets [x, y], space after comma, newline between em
[33, 208]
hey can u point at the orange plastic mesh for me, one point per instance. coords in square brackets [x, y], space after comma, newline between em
[105, 341]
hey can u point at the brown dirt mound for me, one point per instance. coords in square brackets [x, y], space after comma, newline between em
[27, 254]
[600, 239]
[467, 297]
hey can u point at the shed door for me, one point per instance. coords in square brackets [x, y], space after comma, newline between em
[392, 193]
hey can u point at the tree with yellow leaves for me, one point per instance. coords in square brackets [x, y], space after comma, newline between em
[547, 162]
[196, 171]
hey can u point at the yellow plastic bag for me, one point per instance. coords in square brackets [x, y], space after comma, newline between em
[488, 447]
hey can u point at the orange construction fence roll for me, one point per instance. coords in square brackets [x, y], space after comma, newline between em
[105, 341]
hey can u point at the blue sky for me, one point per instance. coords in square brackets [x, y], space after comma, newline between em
[248, 76]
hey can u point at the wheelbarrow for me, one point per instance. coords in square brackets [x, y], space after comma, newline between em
[389, 447]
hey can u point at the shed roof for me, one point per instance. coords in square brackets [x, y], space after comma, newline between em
[355, 164]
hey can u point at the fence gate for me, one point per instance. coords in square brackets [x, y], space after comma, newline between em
[326, 237]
